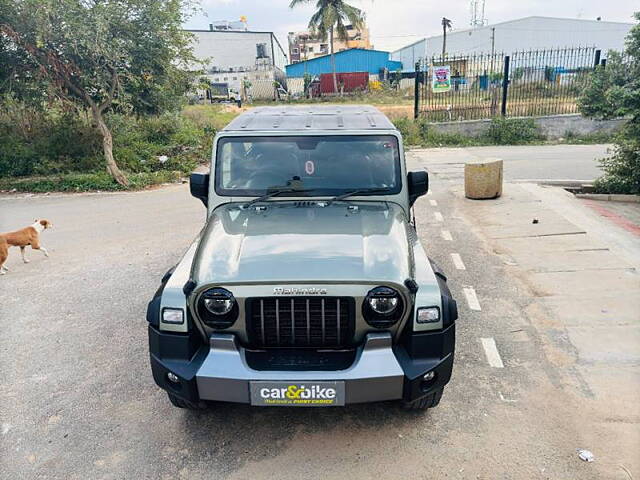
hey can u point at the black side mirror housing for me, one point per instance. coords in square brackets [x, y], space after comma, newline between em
[199, 186]
[418, 183]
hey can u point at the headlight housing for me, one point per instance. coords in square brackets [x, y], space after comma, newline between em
[217, 308]
[382, 307]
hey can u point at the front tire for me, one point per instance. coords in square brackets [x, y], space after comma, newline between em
[430, 401]
[181, 403]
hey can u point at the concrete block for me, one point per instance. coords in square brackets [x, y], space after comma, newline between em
[483, 178]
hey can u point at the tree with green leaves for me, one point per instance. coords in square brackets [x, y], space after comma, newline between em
[97, 55]
[331, 19]
[446, 25]
[614, 91]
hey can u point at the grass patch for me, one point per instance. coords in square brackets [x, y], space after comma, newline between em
[501, 131]
[82, 182]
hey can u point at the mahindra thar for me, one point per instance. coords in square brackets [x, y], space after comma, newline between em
[307, 285]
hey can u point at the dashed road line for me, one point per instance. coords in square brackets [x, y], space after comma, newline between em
[472, 298]
[491, 351]
[433, 203]
[457, 261]
[446, 234]
[439, 217]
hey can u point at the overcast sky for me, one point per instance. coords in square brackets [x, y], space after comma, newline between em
[395, 23]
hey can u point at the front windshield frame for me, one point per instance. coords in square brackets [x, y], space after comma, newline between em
[317, 192]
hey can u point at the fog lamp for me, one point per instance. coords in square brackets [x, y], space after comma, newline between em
[172, 315]
[173, 377]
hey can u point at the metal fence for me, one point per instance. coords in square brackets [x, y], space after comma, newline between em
[521, 84]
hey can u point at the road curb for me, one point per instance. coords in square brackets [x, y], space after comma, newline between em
[603, 197]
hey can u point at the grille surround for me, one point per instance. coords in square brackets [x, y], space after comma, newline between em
[318, 322]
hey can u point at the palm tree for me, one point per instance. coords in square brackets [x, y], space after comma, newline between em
[332, 16]
[446, 24]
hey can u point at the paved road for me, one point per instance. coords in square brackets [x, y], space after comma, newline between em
[78, 400]
[544, 162]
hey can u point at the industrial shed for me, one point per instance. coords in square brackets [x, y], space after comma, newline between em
[524, 34]
[352, 60]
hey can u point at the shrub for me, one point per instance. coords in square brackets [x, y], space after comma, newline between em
[502, 131]
[622, 169]
[512, 131]
[55, 142]
[34, 142]
[614, 91]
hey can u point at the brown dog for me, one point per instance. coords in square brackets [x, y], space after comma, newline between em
[22, 238]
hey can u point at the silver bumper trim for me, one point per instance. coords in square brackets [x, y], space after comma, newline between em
[374, 376]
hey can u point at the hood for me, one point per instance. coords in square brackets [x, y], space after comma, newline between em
[304, 242]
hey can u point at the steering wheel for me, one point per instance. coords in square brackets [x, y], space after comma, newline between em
[266, 176]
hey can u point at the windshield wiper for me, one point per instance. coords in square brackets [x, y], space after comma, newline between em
[357, 192]
[275, 193]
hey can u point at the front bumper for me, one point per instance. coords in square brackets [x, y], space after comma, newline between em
[220, 371]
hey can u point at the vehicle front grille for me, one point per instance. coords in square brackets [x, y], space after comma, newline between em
[320, 322]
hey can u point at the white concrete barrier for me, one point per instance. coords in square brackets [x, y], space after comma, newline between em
[483, 178]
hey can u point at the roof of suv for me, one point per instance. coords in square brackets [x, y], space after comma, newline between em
[310, 118]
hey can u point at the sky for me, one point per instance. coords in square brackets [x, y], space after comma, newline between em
[396, 23]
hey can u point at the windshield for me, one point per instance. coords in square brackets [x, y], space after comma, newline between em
[322, 165]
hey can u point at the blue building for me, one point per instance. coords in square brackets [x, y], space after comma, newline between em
[352, 60]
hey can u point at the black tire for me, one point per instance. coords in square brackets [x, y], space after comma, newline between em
[181, 403]
[430, 401]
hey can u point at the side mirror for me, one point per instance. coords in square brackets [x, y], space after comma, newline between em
[418, 183]
[199, 186]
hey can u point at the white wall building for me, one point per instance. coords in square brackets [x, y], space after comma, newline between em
[232, 56]
[530, 33]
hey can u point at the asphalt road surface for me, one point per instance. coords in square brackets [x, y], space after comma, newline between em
[527, 162]
[78, 400]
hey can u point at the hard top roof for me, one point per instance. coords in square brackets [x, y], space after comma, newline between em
[310, 118]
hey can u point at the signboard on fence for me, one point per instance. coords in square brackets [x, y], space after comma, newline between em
[440, 79]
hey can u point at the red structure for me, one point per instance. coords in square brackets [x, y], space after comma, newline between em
[349, 82]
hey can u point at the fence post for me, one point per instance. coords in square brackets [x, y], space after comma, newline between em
[505, 85]
[597, 62]
[416, 95]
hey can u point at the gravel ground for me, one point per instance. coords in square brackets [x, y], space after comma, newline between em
[79, 402]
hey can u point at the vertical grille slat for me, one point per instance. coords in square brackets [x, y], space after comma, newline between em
[308, 325]
[293, 322]
[262, 321]
[338, 318]
[323, 319]
[278, 321]
[327, 322]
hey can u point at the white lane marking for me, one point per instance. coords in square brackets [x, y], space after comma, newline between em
[472, 299]
[433, 203]
[446, 234]
[439, 217]
[491, 351]
[457, 261]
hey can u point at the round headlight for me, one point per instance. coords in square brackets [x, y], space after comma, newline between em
[218, 301]
[382, 307]
[217, 308]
